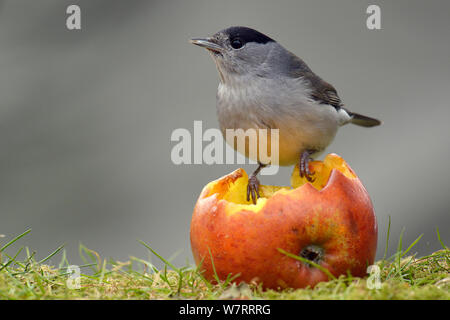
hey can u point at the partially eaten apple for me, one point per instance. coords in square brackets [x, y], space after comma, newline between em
[329, 222]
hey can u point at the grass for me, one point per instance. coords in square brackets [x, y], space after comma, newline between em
[401, 276]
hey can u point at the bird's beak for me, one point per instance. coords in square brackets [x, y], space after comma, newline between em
[207, 44]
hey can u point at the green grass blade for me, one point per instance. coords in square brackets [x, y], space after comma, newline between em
[412, 245]
[144, 263]
[398, 254]
[440, 240]
[51, 254]
[159, 256]
[3, 266]
[102, 274]
[14, 240]
[216, 276]
[13, 259]
[231, 278]
[94, 256]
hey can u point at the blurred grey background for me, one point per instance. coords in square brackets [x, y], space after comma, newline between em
[86, 116]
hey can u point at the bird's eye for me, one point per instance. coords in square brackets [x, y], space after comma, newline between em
[237, 43]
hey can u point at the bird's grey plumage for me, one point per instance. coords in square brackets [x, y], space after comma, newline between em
[294, 67]
[324, 92]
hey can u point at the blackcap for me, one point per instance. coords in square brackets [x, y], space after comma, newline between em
[264, 86]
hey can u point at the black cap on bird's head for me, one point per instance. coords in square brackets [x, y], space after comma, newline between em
[237, 50]
[237, 37]
[246, 35]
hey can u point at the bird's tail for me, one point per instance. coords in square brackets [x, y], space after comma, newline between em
[363, 121]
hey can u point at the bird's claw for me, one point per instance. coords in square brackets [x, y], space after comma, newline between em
[253, 189]
[304, 167]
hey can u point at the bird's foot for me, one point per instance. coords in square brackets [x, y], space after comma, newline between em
[253, 184]
[305, 158]
[253, 189]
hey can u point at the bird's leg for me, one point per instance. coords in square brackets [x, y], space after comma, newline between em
[253, 184]
[305, 158]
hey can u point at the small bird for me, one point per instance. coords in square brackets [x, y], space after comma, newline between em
[264, 86]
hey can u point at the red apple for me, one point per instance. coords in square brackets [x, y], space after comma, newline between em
[330, 222]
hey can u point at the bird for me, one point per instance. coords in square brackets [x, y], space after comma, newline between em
[263, 85]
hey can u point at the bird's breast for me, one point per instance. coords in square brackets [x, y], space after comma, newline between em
[301, 123]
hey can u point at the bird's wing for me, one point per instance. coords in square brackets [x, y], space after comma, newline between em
[321, 91]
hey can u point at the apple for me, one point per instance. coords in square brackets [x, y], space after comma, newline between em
[330, 223]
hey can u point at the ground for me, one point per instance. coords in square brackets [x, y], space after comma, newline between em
[401, 276]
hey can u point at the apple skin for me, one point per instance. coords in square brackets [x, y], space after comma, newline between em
[337, 222]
